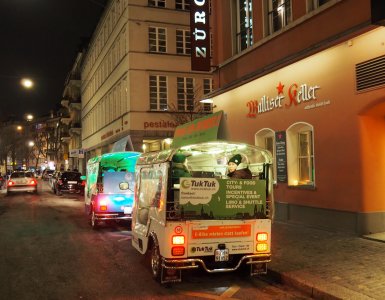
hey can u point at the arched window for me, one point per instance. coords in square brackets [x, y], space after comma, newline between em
[265, 138]
[300, 154]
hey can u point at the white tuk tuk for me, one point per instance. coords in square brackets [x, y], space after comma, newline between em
[199, 217]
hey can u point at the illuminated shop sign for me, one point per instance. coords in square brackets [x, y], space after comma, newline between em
[200, 35]
[295, 94]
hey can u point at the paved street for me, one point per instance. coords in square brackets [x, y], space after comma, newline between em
[49, 251]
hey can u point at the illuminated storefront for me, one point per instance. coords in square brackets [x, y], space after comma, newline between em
[323, 118]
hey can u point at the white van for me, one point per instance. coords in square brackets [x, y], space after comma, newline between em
[203, 219]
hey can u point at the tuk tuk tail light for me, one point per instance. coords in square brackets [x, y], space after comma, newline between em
[262, 237]
[262, 247]
[177, 251]
[103, 205]
[178, 240]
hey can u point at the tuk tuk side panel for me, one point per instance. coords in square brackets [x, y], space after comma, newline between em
[149, 204]
[90, 188]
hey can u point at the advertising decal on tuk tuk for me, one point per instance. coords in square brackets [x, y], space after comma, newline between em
[223, 198]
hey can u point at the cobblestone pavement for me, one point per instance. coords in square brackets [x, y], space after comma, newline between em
[328, 265]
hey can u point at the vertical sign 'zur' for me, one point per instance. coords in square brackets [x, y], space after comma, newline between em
[200, 35]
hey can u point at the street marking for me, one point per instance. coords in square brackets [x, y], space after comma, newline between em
[225, 295]
[124, 239]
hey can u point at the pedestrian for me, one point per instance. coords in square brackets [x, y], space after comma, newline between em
[236, 169]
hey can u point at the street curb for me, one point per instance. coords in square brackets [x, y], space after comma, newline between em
[315, 287]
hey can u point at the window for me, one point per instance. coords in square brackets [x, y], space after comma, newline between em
[182, 4]
[305, 157]
[244, 24]
[157, 3]
[300, 155]
[158, 92]
[157, 39]
[207, 88]
[279, 14]
[265, 138]
[314, 4]
[185, 90]
[183, 41]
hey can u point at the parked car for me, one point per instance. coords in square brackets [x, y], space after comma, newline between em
[47, 174]
[3, 180]
[22, 182]
[68, 182]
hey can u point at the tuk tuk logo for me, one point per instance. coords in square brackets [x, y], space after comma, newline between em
[297, 94]
[206, 249]
[185, 184]
[198, 190]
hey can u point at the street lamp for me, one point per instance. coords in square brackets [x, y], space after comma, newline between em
[27, 83]
[29, 117]
[31, 143]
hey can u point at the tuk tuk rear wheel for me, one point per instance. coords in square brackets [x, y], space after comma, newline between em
[156, 264]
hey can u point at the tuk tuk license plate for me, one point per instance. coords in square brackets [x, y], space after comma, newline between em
[127, 210]
[222, 255]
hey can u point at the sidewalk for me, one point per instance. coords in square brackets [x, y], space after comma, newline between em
[329, 265]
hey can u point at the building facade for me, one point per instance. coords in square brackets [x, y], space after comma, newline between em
[71, 102]
[136, 76]
[307, 80]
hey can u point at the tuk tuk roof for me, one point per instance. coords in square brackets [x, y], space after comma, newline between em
[115, 159]
[216, 149]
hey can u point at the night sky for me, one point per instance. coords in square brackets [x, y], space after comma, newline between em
[39, 39]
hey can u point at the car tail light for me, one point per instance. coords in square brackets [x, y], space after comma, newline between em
[103, 205]
[33, 182]
[83, 183]
[10, 183]
[178, 240]
[177, 251]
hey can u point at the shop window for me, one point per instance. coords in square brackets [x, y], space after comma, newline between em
[182, 4]
[185, 91]
[243, 25]
[300, 155]
[157, 39]
[158, 92]
[183, 44]
[265, 138]
[278, 14]
[157, 3]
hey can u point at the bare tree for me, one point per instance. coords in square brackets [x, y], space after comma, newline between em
[188, 107]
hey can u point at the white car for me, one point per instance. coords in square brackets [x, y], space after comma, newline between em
[22, 182]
